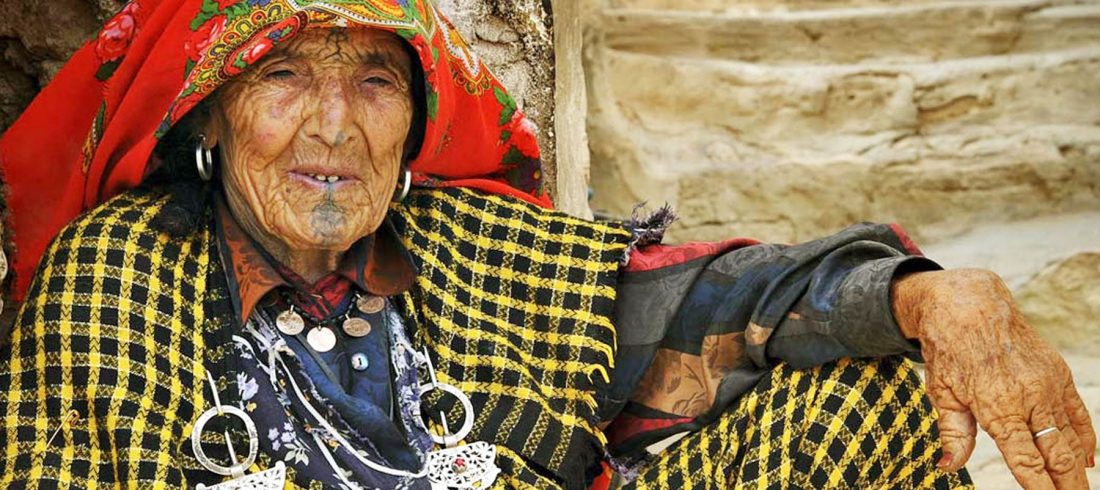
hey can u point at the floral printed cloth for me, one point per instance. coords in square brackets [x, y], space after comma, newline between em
[297, 415]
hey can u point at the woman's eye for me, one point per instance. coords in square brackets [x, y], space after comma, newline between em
[279, 74]
[377, 81]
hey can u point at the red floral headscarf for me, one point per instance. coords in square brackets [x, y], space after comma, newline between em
[89, 135]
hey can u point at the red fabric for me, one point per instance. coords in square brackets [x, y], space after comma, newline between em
[652, 257]
[603, 481]
[628, 425]
[906, 241]
[90, 133]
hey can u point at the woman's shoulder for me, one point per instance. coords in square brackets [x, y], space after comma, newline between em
[131, 211]
[127, 220]
[116, 246]
[490, 211]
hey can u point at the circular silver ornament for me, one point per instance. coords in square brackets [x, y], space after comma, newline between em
[322, 339]
[370, 304]
[290, 322]
[356, 327]
[237, 469]
[446, 439]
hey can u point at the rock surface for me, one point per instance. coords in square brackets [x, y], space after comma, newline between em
[1063, 301]
[787, 125]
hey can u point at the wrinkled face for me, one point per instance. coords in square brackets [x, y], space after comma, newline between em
[312, 137]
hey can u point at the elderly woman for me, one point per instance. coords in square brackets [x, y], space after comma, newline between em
[257, 300]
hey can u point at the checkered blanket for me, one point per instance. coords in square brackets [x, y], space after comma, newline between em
[103, 377]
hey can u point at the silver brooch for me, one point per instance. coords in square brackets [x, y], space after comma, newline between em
[270, 479]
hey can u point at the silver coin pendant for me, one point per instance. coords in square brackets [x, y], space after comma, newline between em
[370, 304]
[322, 339]
[356, 327]
[290, 322]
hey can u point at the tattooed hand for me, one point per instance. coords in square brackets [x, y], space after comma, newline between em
[985, 364]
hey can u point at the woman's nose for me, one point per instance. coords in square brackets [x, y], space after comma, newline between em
[333, 123]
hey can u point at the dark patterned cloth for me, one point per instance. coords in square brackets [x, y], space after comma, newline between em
[848, 424]
[283, 396]
[700, 324]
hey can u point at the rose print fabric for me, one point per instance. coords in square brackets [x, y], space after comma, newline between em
[89, 135]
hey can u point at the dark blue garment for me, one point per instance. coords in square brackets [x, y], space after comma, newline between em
[370, 385]
[283, 388]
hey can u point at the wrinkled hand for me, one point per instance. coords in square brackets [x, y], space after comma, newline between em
[984, 363]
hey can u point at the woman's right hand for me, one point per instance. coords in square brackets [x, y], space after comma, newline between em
[986, 366]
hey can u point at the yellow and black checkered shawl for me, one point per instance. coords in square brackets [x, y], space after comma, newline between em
[122, 322]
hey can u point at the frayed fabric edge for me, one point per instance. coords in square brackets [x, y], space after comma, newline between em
[647, 229]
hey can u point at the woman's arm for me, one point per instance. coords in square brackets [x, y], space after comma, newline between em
[692, 315]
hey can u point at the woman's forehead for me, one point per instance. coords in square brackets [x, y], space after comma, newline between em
[358, 45]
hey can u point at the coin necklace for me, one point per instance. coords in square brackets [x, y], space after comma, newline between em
[453, 466]
[368, 305]
[321, 337]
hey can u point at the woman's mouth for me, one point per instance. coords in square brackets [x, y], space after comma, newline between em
[322, 181]
[331, 179]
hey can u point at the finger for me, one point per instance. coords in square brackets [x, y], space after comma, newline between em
[957, 430]
[1070, 435]
[1021, 455]
[1064, 465]
[1082, 424]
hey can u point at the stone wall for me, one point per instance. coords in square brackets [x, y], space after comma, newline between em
[973, 123]
[33, 47]
[787, 123]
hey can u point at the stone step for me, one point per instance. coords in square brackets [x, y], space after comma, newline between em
[942, 116]
[815, 113]
[777, 6]
[1020, 251]
[938, 189]
[910, 33]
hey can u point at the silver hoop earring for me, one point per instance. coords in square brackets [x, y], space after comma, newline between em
[406, 187]
[204, 159]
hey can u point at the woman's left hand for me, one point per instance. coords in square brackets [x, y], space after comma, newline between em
[985, 364]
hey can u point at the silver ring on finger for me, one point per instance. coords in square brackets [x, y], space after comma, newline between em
[1048, 430]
